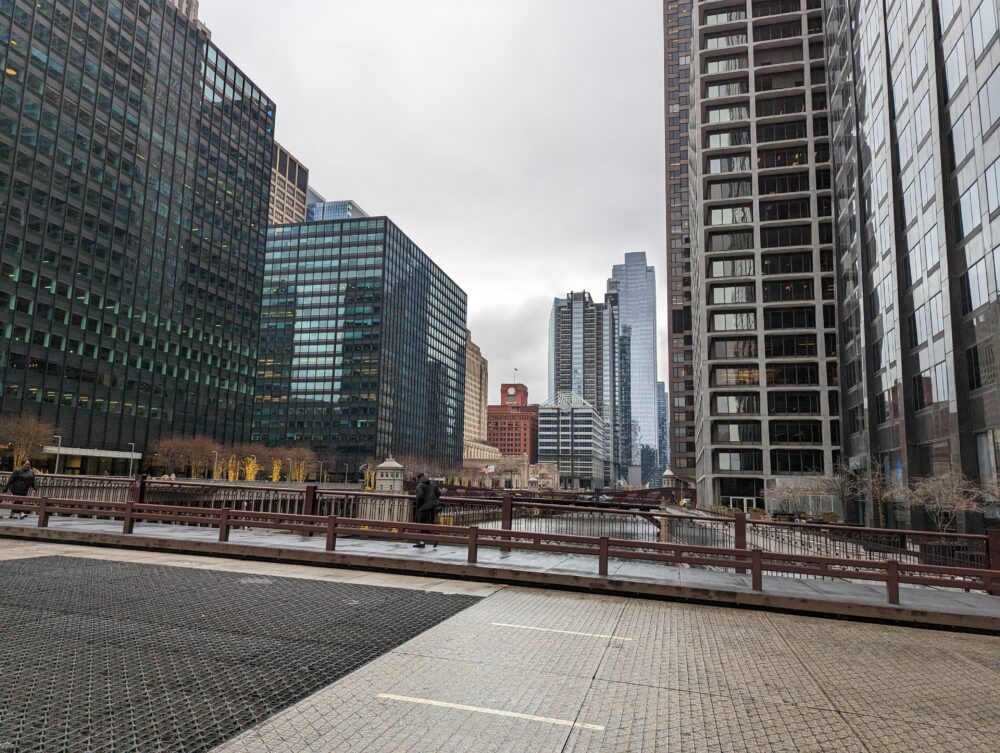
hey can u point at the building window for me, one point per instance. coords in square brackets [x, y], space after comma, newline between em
[796, 432]
[954, 68]
[736, 432]
[989, 99]
[930, 387]
[975, 289]
[748, 404]
[792, 403]
[733, 347]
[962, 139]
[968, 213]
[739, 460]
[796, 461]
[984, 26]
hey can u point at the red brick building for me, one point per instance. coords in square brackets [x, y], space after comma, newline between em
[512, 426]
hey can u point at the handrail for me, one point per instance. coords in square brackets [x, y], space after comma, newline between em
[757, 561]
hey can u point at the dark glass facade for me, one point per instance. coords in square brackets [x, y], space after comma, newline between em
[134, 168]
[914, 119]
[362, 345]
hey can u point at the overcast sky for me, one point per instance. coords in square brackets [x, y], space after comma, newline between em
[519, 143]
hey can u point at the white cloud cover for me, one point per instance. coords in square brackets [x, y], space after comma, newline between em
[518, 142]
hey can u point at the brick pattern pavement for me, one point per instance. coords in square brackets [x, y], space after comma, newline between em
[687, 679]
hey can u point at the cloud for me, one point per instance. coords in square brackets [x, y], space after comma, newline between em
[519, 143]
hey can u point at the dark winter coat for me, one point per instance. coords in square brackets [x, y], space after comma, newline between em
[428, 496]
[20, 482]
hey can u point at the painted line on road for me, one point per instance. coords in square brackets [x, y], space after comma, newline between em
[564, 632]
[494, 712]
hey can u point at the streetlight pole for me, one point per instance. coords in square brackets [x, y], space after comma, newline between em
[215, 465]
[130, 458]
[345, 473]
[320, 479]
[58, 451]
[289, 469]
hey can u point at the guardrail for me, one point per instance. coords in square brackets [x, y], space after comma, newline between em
[670, 526]
[603, 548]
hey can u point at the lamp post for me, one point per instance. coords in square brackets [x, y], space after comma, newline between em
[345, 473]
[289, 469]
[215, 465]
[130, 458]
[320, 479]
[58, 450]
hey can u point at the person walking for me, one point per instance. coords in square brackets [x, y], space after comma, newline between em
[21, 482]
[428, 497]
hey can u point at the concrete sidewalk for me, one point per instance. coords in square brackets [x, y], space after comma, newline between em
[867, 600]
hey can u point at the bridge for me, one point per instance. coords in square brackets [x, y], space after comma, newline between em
[910, 577]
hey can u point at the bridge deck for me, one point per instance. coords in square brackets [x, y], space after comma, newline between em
[918, 605]
[224, 656]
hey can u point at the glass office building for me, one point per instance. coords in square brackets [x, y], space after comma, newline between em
[584, 359]
[134, 168]
[915, 111]
[362, 349]
[636, 286]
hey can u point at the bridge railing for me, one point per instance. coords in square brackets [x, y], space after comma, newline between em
[668, 525]
[602, 548]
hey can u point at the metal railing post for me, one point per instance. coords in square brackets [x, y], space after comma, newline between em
[602, 557]
[473, 544]
[331, 533]
[892, 581]
[139, 488]
[506, 517]
[224, 524]
[43, 512]
[740, 536]
[309, 503]
[757, 569]
[993, 559]
[128, 524]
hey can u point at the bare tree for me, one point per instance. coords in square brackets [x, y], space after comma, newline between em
[172, 452]
[201, 454]
[26, 435]
[946, 496]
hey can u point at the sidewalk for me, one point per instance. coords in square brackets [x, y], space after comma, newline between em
[918, 605]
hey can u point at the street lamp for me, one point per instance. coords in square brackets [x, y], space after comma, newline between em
[289, 469]
[320, 479]
[130, 458]
[345, 473]
[58, 451]
[215, 465]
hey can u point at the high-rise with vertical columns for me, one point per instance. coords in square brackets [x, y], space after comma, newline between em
[677, 85]
[764, 287]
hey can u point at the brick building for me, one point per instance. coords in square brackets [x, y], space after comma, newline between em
[512, 426]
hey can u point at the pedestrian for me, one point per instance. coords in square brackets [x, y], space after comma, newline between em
[21, 482]
[428, 497]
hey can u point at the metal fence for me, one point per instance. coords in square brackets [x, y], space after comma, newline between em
[665, 525]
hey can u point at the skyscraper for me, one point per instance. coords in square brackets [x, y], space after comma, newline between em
[289, 187]
[765, 315]
[477, 386]
[362, 349]
[636, 287]
[677, 72]
[583, 358]
[915, 105]
[134, 176]
[662, 411]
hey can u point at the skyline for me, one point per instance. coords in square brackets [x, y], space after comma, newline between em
[456, 175]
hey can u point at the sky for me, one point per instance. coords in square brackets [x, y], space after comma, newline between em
[519, 143]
